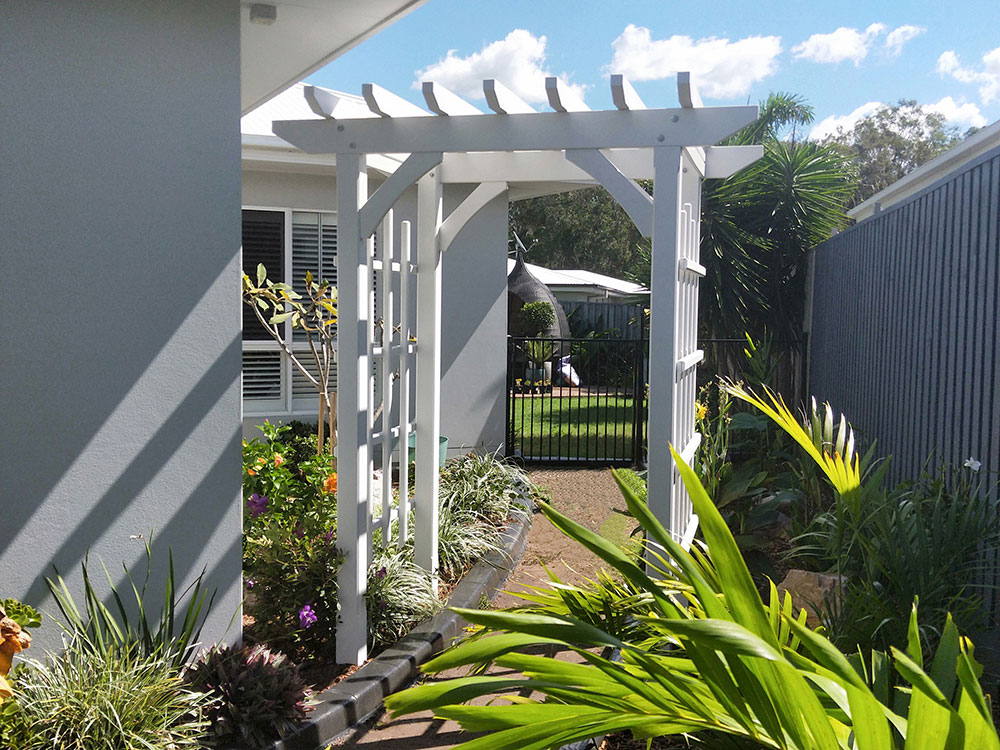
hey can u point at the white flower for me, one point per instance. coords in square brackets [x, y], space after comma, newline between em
[972, 463]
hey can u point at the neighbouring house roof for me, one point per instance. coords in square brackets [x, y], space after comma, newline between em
[304, 36]
[926, 175]
[577, 279]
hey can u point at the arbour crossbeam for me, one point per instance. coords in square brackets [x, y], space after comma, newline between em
[521, 152]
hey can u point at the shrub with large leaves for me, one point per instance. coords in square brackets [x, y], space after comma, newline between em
[705, 654]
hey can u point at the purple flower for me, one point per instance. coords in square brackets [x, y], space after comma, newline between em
[381, 573]
[329, 536]
[307, 618]
[299, 531]
[257, 504]
[250, 583]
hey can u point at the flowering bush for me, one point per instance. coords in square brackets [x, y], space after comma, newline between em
[290, 557]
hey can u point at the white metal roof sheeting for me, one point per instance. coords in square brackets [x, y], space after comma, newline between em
[291, 104]
[553, 277]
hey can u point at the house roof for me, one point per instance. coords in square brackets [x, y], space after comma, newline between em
[304, 36]
[577, 278]
[264, 150]
[291, 104]
[926, 175]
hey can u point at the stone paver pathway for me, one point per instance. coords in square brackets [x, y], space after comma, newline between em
[589, 496]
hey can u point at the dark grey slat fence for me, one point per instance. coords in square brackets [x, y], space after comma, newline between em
[904, 334]
[616, 319]
[904, 329]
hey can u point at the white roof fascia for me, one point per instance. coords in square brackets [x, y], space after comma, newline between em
[929, 173]
[273, 154]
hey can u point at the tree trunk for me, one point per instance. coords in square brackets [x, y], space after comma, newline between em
[332, 415]
[320, 441]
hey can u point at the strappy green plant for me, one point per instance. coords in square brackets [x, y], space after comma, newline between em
[172, 634]
[706, 655]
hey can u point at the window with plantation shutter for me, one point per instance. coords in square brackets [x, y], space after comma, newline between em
[314, 250]
[289, 244]
[262, 376]
[263, 242]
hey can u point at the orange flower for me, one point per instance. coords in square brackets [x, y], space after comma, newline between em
[330, 485]
[278, 460]
[251, 472]
[261, 460]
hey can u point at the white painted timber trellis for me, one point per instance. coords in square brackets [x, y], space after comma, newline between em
[518, 152]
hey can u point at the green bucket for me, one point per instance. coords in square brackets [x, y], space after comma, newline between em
[442, 449]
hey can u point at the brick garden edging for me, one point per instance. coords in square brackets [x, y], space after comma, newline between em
[360, 696]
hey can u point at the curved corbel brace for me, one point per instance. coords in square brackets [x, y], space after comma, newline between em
[638, 204]
[468, 208]
[378, 205]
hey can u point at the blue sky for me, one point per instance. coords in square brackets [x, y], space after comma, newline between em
[844, 57]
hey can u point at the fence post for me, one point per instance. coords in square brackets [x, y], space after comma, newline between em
[638, 393]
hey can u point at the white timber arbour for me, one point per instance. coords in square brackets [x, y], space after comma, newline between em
[521, 152]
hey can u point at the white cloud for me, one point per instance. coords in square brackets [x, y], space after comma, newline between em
[899, 36]
[960, 112]
[837, 46]
[831, 124]
[517, 61]
[720, 68]
[988, 78]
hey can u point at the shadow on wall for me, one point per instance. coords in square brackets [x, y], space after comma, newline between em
[191, 515]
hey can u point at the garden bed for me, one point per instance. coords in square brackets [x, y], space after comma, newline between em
[360, 694]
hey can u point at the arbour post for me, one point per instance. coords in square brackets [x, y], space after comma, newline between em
[353, 512]
[428, 406]
[663, 349]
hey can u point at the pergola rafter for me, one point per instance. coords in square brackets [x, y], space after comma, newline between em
[515, 150]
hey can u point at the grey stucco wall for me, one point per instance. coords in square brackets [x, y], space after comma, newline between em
[119, 317]
[474, 331]
[474, 314]
[304, 192]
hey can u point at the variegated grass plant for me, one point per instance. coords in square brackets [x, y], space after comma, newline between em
[105, 699]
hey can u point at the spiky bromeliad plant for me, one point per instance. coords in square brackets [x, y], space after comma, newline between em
[701, 653]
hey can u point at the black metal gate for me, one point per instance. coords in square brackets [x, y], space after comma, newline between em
[585, 402]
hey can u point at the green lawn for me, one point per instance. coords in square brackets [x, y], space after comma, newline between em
[581, 427]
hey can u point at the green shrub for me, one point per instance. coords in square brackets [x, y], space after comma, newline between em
[463, 539]
[285, 572]
[539, 351]
[399, 596]
[286, 471]
[173, 634]
[256, 695]
[94, 699]
[485, 486]
[924, 539]
[536, 317]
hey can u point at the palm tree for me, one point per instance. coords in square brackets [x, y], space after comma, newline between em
[758, 225]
